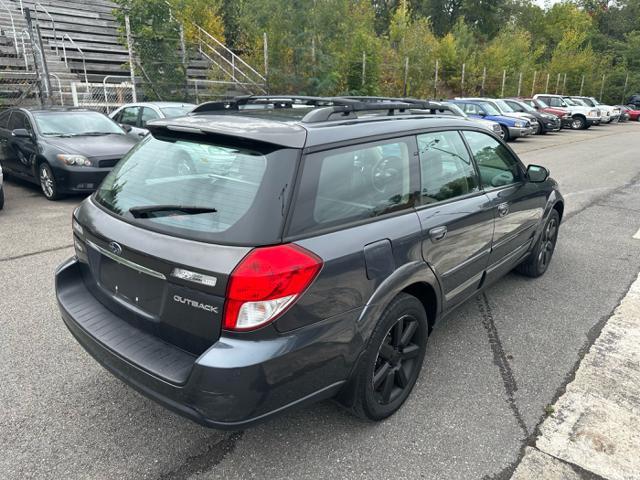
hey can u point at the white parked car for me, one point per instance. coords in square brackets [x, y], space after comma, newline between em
[133, 117]
[582, 117]
[609, 114]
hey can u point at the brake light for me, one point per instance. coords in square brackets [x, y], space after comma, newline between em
[265, 283]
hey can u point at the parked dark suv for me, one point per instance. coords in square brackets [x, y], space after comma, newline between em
[264, 253]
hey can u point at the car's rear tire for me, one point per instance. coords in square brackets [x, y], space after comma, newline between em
[505, 133]
[48, 183]
[1, 197]
[390, 365]
[538, 261]
[578, 122]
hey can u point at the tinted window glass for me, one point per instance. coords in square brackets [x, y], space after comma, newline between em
[75, 123]
[180, 111]
[148, 114]
[445, 167]
[353, 183]
[19, 120]
[129, 116]
[4, 119]
[246, 187]
[496, 165]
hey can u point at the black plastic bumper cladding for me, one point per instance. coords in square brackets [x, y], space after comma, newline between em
[143, 349]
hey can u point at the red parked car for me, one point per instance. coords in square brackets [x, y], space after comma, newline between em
[539, 105]
[633, 112]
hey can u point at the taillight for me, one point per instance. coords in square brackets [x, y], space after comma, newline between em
[265, 283]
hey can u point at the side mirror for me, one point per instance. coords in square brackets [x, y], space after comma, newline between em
[537, 173]
[21, 133]
[126, 128]
[482, 114]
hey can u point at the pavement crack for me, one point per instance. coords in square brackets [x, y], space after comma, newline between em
[204, 461]
[30, 254]
[500, 359]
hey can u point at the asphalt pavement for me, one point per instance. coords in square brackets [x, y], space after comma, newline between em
[490, 370]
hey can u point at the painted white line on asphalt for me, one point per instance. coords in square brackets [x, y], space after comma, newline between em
[637, 235]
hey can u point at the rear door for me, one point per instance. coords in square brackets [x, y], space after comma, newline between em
[455, 215]
[518, 205]
[146, 116]
[131, 116]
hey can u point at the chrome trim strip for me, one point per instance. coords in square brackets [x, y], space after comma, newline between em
[125, 262]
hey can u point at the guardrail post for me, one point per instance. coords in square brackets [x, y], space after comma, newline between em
[130, 50]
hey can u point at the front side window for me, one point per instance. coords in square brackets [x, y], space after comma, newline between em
[194, 189]
[19, 120]
[353, 183]
[445, 167]
[129, 116]
[496, 165]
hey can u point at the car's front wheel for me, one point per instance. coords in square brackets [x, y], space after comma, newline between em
[48, 182]
[392, 361]
[578, 123]
[538, 262]
[504, 135]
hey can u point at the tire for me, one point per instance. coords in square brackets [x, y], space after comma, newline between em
[540, 130]
[505, 133]
[578, 123]
[386, 374]
[538, 261]
[48, 183]
[1, 197]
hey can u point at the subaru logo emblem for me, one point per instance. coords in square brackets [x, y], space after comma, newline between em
[115, 248]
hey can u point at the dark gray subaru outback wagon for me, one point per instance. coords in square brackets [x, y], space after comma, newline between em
[265, 252]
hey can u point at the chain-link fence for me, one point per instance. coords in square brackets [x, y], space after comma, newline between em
[18, 88]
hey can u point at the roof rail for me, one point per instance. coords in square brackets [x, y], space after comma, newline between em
[325, 107]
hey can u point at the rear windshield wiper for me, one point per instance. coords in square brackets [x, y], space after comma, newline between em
[168, 210]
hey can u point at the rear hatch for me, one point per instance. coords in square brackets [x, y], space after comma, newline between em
[161, 236]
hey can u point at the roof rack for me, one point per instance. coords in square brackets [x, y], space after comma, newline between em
[325, 108]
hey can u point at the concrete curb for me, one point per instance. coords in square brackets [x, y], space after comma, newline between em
[594, 431]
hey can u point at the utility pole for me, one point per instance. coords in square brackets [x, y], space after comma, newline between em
[435, 82]
[364, 67]
[406, 76]
[265, 53]
[546, 87]
[519, 83]
[533, 84]
[624, 90]
[127, 27]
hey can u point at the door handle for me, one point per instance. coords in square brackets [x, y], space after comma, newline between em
[503, 209]
[438, 233]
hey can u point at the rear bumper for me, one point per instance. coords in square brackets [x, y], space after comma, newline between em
[234, 384]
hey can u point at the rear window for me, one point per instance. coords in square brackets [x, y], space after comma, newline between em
[214, 192]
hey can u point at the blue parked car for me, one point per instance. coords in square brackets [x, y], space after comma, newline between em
[512, 128]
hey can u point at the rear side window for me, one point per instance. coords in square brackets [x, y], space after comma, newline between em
[148, 114]
[239, 193]
[354, 183]
[497, 166]
[446, 171]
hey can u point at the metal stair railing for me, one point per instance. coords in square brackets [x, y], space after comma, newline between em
[258, 80]
[53, 23]
[13, 26]
[64, 52]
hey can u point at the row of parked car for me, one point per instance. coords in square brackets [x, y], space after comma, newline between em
[69, 151]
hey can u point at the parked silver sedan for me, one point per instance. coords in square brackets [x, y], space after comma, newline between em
[133, 117]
